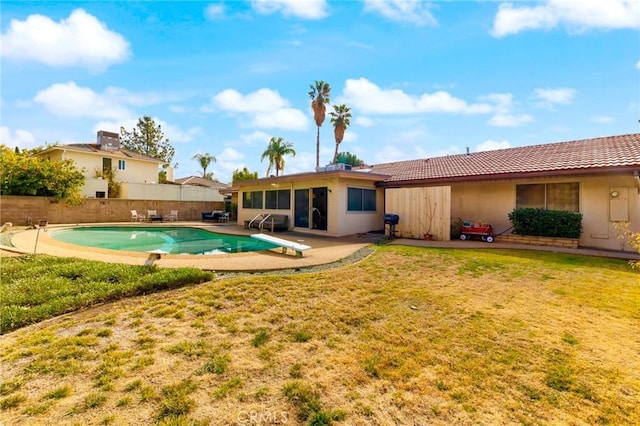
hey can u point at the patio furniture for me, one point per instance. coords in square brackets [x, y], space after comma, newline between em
[173, 216]
[135, 217]
[153, 216]
[212, 216]
[224, 217]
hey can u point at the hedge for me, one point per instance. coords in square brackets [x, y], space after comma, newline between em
[546, 223]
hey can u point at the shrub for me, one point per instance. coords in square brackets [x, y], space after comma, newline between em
[546, 223]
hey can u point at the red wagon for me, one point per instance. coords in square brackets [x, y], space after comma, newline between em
[483, 230]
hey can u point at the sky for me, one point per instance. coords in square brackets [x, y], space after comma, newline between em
[422, 79]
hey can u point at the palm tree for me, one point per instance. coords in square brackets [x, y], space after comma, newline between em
[275, 152]
[205, 160]
[319, 97]
[341, 118]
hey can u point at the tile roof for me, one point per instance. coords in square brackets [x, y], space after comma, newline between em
[588, 156]
[95, 149]
[200, 181]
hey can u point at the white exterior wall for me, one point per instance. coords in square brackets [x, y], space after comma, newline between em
[147, 191]
[135, 170]
[339, 221]
[91, 186]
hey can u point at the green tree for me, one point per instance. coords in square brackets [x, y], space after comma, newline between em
[319, 95]
[205, 160]
[349, 158]
[23, 174]
[275, 152]
[147, 138]
[341, 118]
[244, 174]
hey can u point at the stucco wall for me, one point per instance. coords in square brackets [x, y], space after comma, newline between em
[135, 170]
[493, 201]
[20, 209]
[339, 221]
[142, 191]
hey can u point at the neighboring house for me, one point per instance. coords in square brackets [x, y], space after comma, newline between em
[136, 173]
[107, 154]
[214, 185]
[596, 177]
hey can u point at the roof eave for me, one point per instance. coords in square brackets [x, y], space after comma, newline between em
[505, 176]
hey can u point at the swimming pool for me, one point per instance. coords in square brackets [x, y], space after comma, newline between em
[172, 240]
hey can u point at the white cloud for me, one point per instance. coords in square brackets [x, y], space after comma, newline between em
[577, 16]
[414, 12]
[265, 109]
[551, 97]
[80, 40]
[214, 11]
[364, 122]
[308, 9]
[509, 120]
[70, 100]
[503, 115]
[255, 138]
[176, 134]
[491, 145]
[19, 138]
[262, 100]
[638, 65]
[231, 154]
[367, 97]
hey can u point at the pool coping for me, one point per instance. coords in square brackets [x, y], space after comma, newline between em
[324, 250]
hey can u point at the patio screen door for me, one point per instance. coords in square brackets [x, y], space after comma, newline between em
[301, 208]
[310, 208]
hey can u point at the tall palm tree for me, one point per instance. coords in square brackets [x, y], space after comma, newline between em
[341, 118]
[319, 95]
[205, 160]
[275, 152]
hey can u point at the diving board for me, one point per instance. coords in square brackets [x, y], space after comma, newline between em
[285, 244]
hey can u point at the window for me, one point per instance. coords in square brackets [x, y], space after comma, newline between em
[279, 200]
[122, 165]
[361, 200]
[252, 200]
[549, 196]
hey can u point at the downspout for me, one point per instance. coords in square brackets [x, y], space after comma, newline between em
[636, 177]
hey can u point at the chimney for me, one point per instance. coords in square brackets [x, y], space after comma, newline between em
[108, 141]
[468, 155]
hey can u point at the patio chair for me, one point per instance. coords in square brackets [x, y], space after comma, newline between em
[173, 216]
[223, 217]
[135, 217]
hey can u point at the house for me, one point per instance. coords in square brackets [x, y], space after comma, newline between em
[105, 155]
[598, 178]
[331, 202]
[136, 173]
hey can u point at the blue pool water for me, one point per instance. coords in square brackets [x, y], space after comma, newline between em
[173, 240]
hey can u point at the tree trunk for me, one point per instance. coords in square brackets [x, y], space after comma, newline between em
[318, 149]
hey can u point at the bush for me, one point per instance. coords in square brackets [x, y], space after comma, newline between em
[546, 223]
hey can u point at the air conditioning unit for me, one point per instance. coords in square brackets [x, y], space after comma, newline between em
[338, 166]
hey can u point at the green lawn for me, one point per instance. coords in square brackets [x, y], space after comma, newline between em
[407, 336]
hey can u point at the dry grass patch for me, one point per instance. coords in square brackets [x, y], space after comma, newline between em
[407, 336]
